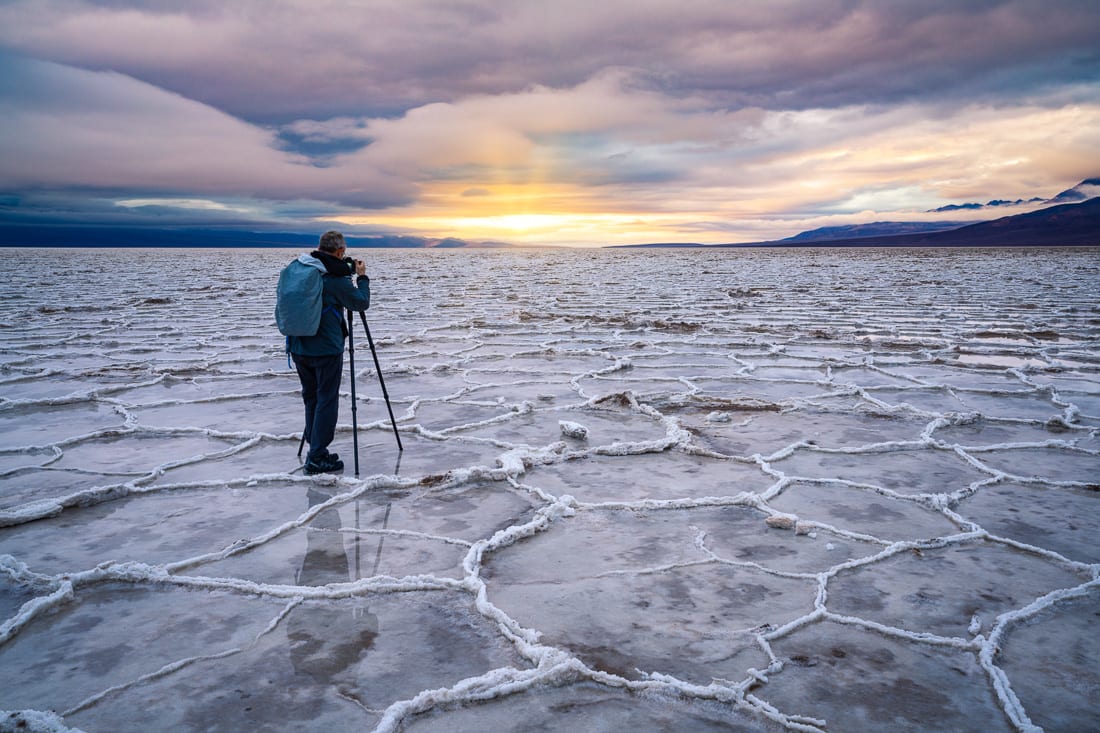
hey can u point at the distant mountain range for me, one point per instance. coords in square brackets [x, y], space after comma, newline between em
[70, 236]
[1063, 225]
[875, 229]
[1087, 189]
[991, 204]
[1083, 191]
[1028, 225]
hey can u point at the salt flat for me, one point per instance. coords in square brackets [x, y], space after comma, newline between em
[682, 490]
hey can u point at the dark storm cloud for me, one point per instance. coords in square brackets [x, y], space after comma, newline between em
[279, 62]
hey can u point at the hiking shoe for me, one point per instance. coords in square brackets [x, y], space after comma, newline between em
[325, 464]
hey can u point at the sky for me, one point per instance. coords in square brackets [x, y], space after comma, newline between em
[539, 122]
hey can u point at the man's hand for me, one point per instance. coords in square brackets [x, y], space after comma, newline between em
[360, 268]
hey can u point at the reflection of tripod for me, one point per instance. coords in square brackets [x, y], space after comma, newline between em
[323, 644]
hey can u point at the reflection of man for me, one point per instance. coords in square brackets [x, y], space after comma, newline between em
[327, 639]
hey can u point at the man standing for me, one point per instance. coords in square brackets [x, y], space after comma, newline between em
[319, 359]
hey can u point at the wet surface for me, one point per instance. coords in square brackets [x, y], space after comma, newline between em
[683, 491]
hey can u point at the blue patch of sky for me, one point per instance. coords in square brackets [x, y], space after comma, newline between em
[320, 151]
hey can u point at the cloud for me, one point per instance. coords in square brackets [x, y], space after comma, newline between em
[71, 128]
[641, 116]
[605, 154]
[604, 143]
[276, 62]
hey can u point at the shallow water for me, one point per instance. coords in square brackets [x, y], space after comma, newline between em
[808, 490]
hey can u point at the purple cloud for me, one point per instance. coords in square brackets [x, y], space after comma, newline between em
[279, 62]
[71, 128]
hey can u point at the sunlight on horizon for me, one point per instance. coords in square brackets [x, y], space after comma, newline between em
[534, 229]
[522, 214]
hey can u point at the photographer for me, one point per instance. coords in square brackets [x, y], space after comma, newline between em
[319, 359]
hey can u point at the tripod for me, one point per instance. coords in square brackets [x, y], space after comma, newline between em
[354, 406]
[381, 382]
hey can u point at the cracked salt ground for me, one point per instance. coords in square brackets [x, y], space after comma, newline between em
[669, 490]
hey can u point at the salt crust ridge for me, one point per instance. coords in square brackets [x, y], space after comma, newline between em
[551, 665]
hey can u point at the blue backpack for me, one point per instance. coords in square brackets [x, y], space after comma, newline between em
[298, 304]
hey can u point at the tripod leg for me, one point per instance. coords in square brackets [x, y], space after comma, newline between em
[354, 420]
[382, 382]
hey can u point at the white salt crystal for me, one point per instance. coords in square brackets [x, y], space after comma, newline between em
[36, 721]
[573, 430]
[782, 521]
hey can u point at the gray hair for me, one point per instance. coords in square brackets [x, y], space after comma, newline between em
[331, 241]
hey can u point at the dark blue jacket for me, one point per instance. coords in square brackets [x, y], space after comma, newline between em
[338, 293]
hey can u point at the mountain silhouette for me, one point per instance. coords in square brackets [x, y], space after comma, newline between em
[1062, 225]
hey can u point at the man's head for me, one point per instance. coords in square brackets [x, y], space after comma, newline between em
[332, 242]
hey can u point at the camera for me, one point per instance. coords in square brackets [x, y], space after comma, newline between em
[350, 262]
